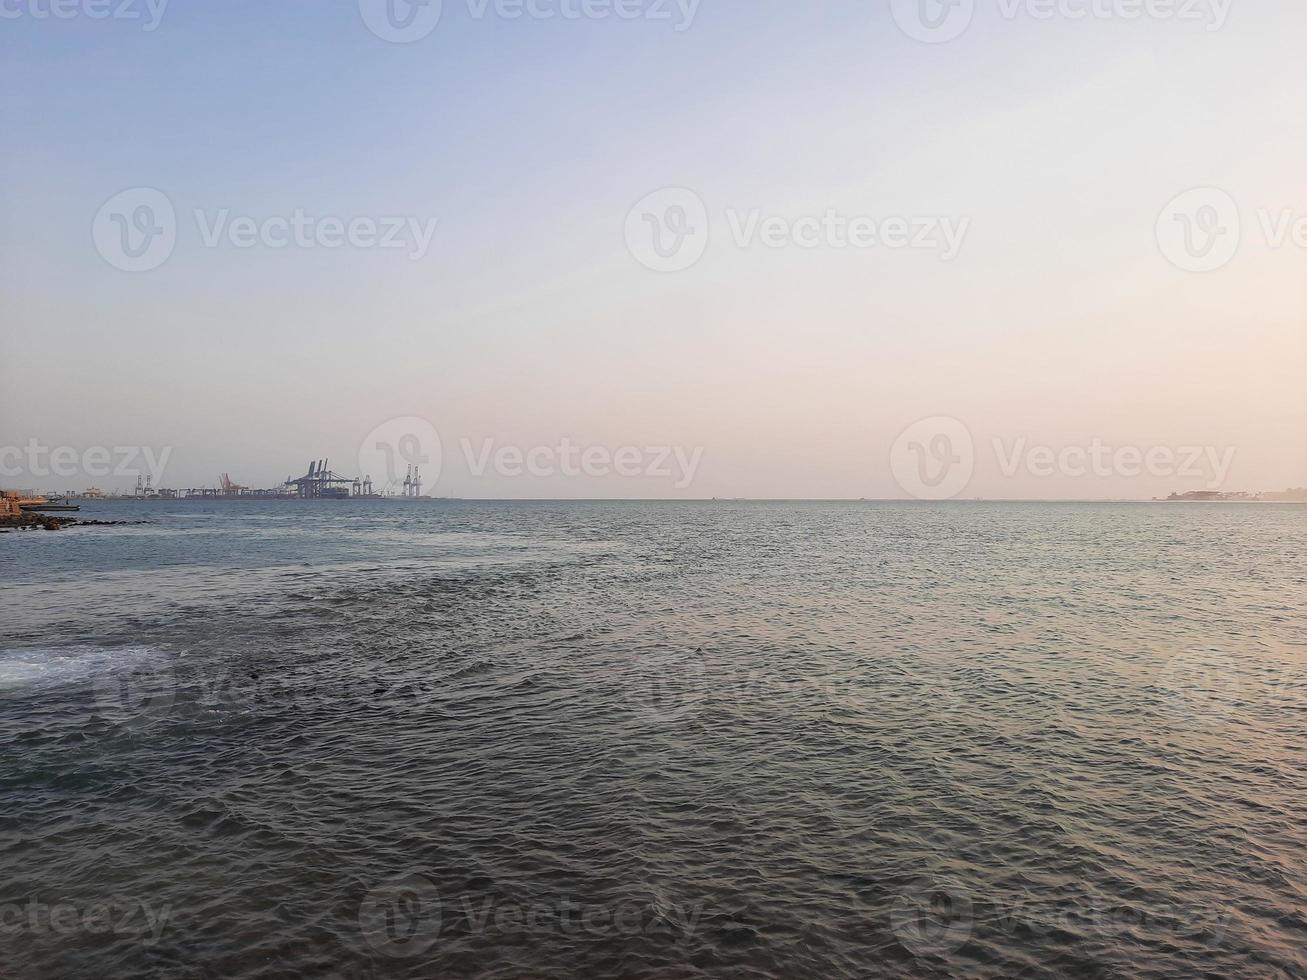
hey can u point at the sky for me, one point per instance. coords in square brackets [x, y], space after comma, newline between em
[766, 249]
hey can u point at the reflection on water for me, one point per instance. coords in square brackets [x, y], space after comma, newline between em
[656, 740]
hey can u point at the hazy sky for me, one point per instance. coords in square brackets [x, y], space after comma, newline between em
[1059, 314]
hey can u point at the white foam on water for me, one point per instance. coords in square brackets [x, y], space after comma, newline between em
[38, 668]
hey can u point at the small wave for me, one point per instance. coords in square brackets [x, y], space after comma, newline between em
[38, 668]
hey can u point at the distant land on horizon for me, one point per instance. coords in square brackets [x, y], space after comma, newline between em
[1292, 495]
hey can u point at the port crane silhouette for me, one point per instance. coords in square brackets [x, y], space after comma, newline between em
[321, 481]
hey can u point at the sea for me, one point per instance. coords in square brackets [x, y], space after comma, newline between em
[439, 738]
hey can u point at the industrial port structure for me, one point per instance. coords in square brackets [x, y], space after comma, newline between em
[319, 483]
[322, 482]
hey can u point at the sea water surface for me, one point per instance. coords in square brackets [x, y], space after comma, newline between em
[651, 740]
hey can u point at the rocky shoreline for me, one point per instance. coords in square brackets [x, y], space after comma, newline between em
[35, 521]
